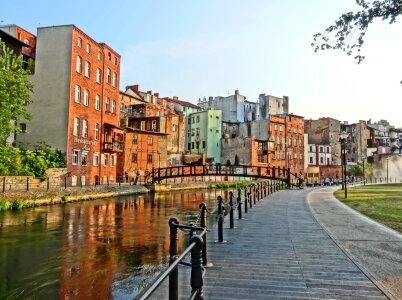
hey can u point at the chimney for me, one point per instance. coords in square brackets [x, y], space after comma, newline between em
[236, 92]
[156, 95]
[175, 98]
[134, 88]
[149, 92]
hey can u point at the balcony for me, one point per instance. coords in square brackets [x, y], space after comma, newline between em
[113, 146]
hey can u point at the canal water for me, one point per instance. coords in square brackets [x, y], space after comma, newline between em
[102, 249]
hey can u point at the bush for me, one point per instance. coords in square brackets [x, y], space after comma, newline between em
[5, 205]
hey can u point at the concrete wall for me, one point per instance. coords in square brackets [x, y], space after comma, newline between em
[268, 104]
[237, 146]
[50, 101]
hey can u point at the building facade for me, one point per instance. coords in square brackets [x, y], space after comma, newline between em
[204, 134]
[325, 131]
[271, 105]
[76, 102]
[356, 146]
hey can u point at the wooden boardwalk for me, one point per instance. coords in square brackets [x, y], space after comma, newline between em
[279, 251]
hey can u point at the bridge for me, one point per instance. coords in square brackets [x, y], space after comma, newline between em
[157, 175]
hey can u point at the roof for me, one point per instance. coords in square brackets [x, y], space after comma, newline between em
[5, 36]
[184, 103]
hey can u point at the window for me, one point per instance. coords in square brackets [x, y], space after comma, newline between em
[327, 149]
[109, 56]
[153, 125]
[86, 97]
[115, 60]
[122, 107]
[142, 125]
[174, 129]
[97, 102]
[113, 106]
[95, 160]
[87, 69]
[105, 159]
[149, 158]
[198, 119]
[311, 160]
[78, 64]
[150, 140]
[192, 145]
[84, 128]
[321, 160]
[280, 128]
[76, 129]
[79, 42]
[112, 160]
[77, 94]
[188, 133]
[107, 104]
[98, 75]
[114, 82]
[188, 146]
[134, 157]
[276, 127]
[198, 132]
[321, 149]
[204, 144]
[192, 131]
[84, 159]
[23, 127]
[327, 160]
[88, 48]
[99, 55]
[108, 79]
[74, 159]
[96, 131]
[135, 139]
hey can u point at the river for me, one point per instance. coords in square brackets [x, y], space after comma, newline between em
[102, 249]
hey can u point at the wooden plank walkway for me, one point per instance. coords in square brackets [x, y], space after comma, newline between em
[279, 251]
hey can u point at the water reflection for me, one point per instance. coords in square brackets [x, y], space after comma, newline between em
[101, 249]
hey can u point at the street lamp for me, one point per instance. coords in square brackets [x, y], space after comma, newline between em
[387, 159]
[343, 136]
[364, 175]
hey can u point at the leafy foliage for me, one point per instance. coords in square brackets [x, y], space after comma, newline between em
[21, 161]
[348, 32]
[15, 90]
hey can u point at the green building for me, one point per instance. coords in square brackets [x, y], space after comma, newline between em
[203, 133]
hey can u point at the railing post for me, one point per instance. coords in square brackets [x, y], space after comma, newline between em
[220, 220]
[231, 221]
[239, 203]
[4, 184]
[196, 280]
[65, 182]
[245, 200]
[27, 183]
[47, 184]
[174, 276]
[203, 224]
[254, 193]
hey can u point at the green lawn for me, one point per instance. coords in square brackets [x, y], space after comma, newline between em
[382, 203]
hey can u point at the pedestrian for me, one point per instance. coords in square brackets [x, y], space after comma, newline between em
[126, 176]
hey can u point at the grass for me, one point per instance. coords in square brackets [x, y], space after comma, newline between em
[382, 203]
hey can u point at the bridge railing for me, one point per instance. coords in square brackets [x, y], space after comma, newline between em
[159, 174]
[249, 197]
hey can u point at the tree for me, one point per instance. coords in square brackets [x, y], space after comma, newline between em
[236, 161]
[348, 32]
[15, 91]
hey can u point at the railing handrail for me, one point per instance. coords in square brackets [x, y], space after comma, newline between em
[148, 291]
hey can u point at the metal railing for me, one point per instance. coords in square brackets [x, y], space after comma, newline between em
[198, 243]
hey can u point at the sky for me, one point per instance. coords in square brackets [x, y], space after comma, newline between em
[200, 48]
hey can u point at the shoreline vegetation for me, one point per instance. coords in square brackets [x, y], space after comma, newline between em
[381, 202]
[20, 200]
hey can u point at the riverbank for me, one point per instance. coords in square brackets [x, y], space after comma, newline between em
[19, 200]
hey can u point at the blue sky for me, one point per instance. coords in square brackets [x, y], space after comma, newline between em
[200, 48]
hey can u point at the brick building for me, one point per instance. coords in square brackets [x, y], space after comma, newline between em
[76, 102]
[287, 135]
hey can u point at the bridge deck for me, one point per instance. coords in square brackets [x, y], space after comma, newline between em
[280, 251]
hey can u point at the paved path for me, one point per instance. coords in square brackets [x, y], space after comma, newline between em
[280, 251]
[374, 247]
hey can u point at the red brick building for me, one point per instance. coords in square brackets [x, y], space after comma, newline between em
[76, 102]
[287, 135]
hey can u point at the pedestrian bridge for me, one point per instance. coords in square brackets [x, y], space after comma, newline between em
[205, 172]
